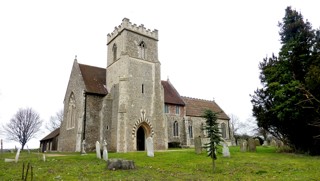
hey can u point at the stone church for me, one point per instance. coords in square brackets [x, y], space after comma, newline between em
[127, 101]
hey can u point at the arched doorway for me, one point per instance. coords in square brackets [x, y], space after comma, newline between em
[140, 139]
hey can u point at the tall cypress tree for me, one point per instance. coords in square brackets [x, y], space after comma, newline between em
[213, 134]
[286, 106]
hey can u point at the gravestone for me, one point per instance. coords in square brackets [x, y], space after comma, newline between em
[251, 145]
[197, 145]
[265, 143]
[105, 151]
[98, 150]
[13, 160]
[257, 141]
[44, 157]
[243, 145]
[273, 143]
[28, 150]
[225, 150]
[83, 149]
[150, 151]
[116, 164]
[17, 155]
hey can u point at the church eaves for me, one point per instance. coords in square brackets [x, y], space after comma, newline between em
[171, 95]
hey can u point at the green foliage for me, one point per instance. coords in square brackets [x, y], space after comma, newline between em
[179, 164]
[288, 103]
[213, 133]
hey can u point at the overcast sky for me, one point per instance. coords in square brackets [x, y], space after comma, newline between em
[208, 49]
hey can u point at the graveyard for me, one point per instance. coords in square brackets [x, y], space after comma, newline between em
[265, 163]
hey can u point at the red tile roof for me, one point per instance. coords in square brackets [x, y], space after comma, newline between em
[51, 135]
[196, 107]
[171, 95]
[94, 79]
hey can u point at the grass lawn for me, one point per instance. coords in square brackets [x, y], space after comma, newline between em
[182, 164]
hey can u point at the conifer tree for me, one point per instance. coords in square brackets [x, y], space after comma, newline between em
[213, 134]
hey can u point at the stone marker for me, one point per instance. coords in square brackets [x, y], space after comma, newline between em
[44, 157]
[251, 145]
[243, 145]
[105, 151]
[98, 150]
[83, 149]
[198, 145]
[13, 160]
[273, 143]
[225, 150]
[150, 151]
[116, 164]
[265, 143]
[257, 141]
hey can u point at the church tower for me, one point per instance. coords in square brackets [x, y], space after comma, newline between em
[135, 101]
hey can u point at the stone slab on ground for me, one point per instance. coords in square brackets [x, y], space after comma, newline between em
[120, 164]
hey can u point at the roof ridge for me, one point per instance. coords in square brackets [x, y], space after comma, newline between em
[90, 66]
[198, 99]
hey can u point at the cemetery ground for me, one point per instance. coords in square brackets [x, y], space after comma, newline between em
[178, 164]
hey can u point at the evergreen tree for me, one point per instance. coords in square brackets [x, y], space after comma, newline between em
[287, 105]
[213, 134]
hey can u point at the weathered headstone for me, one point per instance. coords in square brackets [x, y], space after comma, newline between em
[197, 145]
[83, 149]
[273, 143]
[251, 145]
[243, 145]
[265, 143]
[225, 150]
[116, 164]
[279, 144]
[150, 151]
[105, 151]
[44, 157]
[257, 141]
[13, 160]
[98, 150]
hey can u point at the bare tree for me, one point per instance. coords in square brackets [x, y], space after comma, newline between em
[55, 121]
[23, 126]
[234, 124]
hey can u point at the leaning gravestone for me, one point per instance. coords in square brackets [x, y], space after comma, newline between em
[150, 151]
[197, 145]
[98, 150]
[225, 150]
[105, 151]
[13, 160]
[251, 145]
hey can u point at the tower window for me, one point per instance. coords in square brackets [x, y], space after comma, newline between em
[175, 129]
[114, 50]
[142, 88]
[142, 49]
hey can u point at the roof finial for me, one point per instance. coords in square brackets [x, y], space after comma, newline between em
[167, 77]
[75, 57]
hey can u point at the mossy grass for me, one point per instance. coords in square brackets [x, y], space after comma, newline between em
[174, 164]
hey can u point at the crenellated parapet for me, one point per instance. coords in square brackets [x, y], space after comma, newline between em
[126, 24]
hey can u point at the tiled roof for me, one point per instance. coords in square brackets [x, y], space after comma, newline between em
[94, 79]
[171, 95]
[196, 107]
[51, 135]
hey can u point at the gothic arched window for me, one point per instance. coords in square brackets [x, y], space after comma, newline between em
[71, 114]
[114, 51]
[142, 50]
[223, 130]
[190, 131]
[175, 129]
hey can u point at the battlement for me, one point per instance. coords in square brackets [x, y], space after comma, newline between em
[126, 24]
